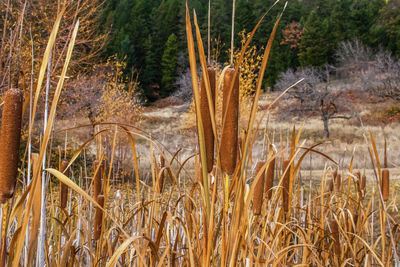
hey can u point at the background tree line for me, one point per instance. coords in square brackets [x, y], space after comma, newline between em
[150, 33]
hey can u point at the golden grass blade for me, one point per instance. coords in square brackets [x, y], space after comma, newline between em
[196, 94]
[121, 249]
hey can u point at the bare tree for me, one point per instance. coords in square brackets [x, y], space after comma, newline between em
[315, 95]
[382, 77]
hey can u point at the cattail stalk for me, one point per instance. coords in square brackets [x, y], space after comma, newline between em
[230, 115]
[385, 184]
[206, 117]
[285, 185]
[269, 182]
[363, 184]
[63, 187]
[98, 218]
[9, 142]
[259, 189]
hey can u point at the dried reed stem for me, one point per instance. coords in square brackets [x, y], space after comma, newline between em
[98, 219]
[206, 117]
[230, 111]
[63, 187]
[259, 189]
[9, 142]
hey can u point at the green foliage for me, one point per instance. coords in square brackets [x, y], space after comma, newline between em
[139, 29]
[169, 64]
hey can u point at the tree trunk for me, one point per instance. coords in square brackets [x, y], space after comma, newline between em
[326, 127]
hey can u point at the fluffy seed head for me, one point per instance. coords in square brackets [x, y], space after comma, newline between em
[9, 142]
[230, 111]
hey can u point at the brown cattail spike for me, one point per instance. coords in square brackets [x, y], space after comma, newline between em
[63, 187]
[363, 185]
[97, 178]
[206, 117]
[335, 236]
[98, 218]
[259, 189]
[162, 176]
[285, 185]
[230, 112]
[338, 182]
[269, 181]
[385, 184]
[9, 142]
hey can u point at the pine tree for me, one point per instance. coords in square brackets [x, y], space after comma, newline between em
[169, 64]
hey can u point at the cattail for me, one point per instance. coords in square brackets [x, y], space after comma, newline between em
[63, 187]
[269, 181]
[363, 184]
[230, 111]
[161, 178]
[98, 218]
[259, 189]
[97, 179]
[335, 236]
[358, 183]
[9, 142]
[385, 184]
[206, 117]
[338, 182]
[36, 207]
[285, 185]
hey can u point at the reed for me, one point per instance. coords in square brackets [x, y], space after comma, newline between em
[363, 185]
[98, 218]
[385, 184]
[9, 142]
[230, 115]
[206, 117]
[64, 187]
[258, 194]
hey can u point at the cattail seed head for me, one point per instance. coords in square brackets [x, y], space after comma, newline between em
[206, 117]
[385, 184]
[9, 142]
[338, 182]
[63, 187]
[98, 218]
[285, 185]
[259, 189]
[162, 176]
[335, 236]
[230, 111]
[97, 178]
[363, 185]
[269, 180]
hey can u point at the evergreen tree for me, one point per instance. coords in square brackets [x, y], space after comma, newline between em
[169, 64]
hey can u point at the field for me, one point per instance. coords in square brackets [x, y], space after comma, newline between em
[225, 180]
